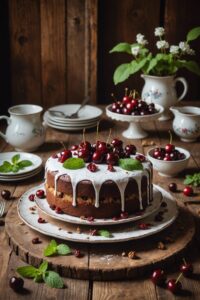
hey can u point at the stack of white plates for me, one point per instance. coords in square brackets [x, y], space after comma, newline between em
[88, 117]
[24, 173]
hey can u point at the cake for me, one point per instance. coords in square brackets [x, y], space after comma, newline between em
[103, 187]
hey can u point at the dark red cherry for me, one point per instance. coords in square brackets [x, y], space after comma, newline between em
[31, 197]
[41, 220]
[157, 152]
[5, 194]
[169, 148]
[172, 187]
[112, 158]
[117, 143]
[140, 157]
[167, 158]
[135, 113]
[97, 157]
[111, 168]
[186, 269]
[126, 99]
[126, 111]
[85, 145]
[130, 149]
[102, 147]
[16, 283]
[65, 155]
[130, 106]
[92, 167]
[77, 253]
[158, 277]
[188, 191]
[114, 107]
[118, 111]
[85, 154]
[134, 103]
[74, 147]
[40, 194]
[181, 156]
[174, 286]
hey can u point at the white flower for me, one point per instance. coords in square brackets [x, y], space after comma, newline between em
[140, 39]
[159, 31]
[162, 44]
[174, 49]
[185, 47]
[135, 50]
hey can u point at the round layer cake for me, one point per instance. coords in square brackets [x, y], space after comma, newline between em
[99, 194]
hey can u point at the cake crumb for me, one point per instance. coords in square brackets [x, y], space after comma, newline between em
[161, 246]
[132, 255]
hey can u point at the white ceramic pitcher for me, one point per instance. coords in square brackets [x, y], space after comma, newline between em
[186, 123]
[25, 131]
[162, 90]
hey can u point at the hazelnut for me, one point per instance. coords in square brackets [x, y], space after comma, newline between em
[132, 255]
[161, 246]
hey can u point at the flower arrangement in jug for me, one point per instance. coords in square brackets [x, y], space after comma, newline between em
[168, 60]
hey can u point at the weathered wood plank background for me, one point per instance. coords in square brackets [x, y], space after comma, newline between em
[57, 51]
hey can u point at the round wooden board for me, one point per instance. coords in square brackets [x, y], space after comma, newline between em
[105, 261]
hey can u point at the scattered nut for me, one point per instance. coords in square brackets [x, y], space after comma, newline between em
[132, 255]
[161, 246]
[78, 230]
[123, 254]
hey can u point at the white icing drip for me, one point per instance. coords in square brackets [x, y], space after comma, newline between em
[120, 178]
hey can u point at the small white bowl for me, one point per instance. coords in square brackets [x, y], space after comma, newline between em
[169, 168]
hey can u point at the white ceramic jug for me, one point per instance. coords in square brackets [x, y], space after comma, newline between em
[162, 90]
[25, 131]
[186, 123]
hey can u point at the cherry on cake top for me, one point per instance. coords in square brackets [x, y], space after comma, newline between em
[131, 104]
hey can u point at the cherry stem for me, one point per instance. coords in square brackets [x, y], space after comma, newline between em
[84, 135]
[110, 130]
[97, 134]
[180, 275]
[170, 137]
[113, 96]
[184, 261]
[62, 143]
[134, 94]
[126, 91]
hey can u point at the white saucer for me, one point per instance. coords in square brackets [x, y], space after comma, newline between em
[21, 177]
[71, 128]
[44, 207]
[119, 233]
[7, 156]
[88, 112]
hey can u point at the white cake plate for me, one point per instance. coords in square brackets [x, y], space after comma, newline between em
[119, 233]
[43, 205]
[134, 131]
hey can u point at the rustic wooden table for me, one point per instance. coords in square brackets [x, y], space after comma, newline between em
[82, 289]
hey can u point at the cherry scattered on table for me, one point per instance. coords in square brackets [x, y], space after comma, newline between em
[5, 194]
[16, 283]
[172, 187]
[186, 269]
[158, 277]
[174, 286]
[188, 191]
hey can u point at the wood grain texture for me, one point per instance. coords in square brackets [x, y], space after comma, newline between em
[24, 17]
[53, 52]
[178, 21]
[120, 22]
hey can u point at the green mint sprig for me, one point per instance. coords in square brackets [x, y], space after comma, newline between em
[51, 278]
[54, 249]
[15, 165]
[130, 164]
[104, 233]
[192, 179]
[74, 163]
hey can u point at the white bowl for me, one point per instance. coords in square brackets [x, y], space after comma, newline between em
[169, 168]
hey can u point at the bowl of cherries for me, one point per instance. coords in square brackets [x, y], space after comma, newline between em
[169, 160]
[135, 111]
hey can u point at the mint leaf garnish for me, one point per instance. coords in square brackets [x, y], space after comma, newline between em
[54, 248]
[63, 249]
[6, 167]
[15, 158]
[130, 164]
[43, 267]
[192, 179]
[24, 163]
[51, 248]
[28, 271]
[15, 164]
[104, 233]
[53, 279]
[74, 163]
